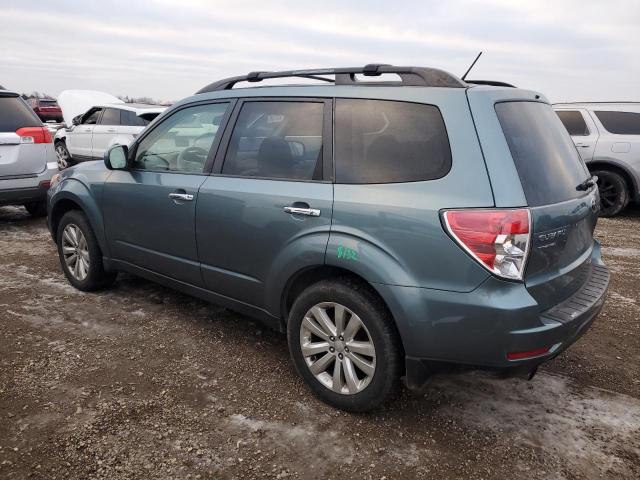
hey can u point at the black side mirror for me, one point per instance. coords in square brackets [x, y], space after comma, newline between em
[116, 157]
[76, 120]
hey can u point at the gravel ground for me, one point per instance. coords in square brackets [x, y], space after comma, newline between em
[143, 382]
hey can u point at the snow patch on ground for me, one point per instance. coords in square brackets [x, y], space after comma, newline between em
[329, 445]
[592, 429]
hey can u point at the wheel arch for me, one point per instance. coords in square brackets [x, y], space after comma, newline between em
[308, 276]
[75, 196]
[611, 165]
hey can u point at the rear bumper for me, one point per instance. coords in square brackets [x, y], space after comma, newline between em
[486, 328]
[27, 189]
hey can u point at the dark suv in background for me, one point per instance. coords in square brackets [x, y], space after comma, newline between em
[390, 227]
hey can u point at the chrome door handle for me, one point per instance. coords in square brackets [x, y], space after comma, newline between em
[310, 212]
[582, 145]
[187, 197]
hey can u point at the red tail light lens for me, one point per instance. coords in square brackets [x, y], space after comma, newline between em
[34, 135]
[497, 239]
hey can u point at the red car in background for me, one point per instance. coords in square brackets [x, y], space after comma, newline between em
[47, 109]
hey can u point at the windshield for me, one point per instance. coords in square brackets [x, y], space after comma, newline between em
[547, 161]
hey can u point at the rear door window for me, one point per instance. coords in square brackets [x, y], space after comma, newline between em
[277, 140]
[15, 114]
[381, 141]
[111, 116]
[574, 122]
[620, 123]
[548, 164]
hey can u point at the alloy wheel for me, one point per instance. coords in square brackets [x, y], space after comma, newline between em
[337, 348]
[608, 193]
[75, 251]
[63, 156]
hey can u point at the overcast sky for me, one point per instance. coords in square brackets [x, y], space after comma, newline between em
[168, 49]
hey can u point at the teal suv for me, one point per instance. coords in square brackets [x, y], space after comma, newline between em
[394, 221]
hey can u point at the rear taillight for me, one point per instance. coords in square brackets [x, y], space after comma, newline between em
[497, 239]
[34, 135]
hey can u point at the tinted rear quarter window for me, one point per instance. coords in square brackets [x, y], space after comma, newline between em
[381, 141]
[574, 122]
[131, 119]
[620, 123]
[15, 114]
[545, 157]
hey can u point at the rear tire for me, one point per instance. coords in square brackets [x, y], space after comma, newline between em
[358, 371]
[37, 209]
[614, 194]
[80, 255]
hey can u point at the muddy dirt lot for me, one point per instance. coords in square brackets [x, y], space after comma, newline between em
[142, 382]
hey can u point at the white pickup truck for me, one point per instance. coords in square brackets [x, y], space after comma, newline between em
[95, 122]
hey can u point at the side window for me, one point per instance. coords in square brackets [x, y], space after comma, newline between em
[111, 116]
[621, 123]
[130, 119]
[181, 143]
[574, 122]
[92, 118]
[380, 141]
[277, 140]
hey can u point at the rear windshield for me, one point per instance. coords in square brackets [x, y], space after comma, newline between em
[547, 161]
[15, 114]
[48, 103]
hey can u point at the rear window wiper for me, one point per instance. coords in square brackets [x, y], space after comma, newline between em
[587, 184]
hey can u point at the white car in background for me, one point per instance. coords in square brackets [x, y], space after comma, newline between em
[96, 121]
[607, 135]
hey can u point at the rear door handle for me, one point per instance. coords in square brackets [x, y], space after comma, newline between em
[185, 197]
[111, 130]
[310, 212]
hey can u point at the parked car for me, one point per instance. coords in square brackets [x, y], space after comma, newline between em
[607, 136]
[27, 158]
[46, 109]
[390, 228]
[98, 121]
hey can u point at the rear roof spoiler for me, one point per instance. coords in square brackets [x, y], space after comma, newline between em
[493, 83]
[409, 76]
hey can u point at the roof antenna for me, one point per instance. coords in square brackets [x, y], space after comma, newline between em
[469, 69]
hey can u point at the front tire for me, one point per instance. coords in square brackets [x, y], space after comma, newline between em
[80, 254]
[614, 194]
[63, 155]
[344, 344]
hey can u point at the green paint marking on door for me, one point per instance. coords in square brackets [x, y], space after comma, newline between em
[345, 253]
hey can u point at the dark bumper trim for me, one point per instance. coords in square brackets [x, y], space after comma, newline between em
[18, 196]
